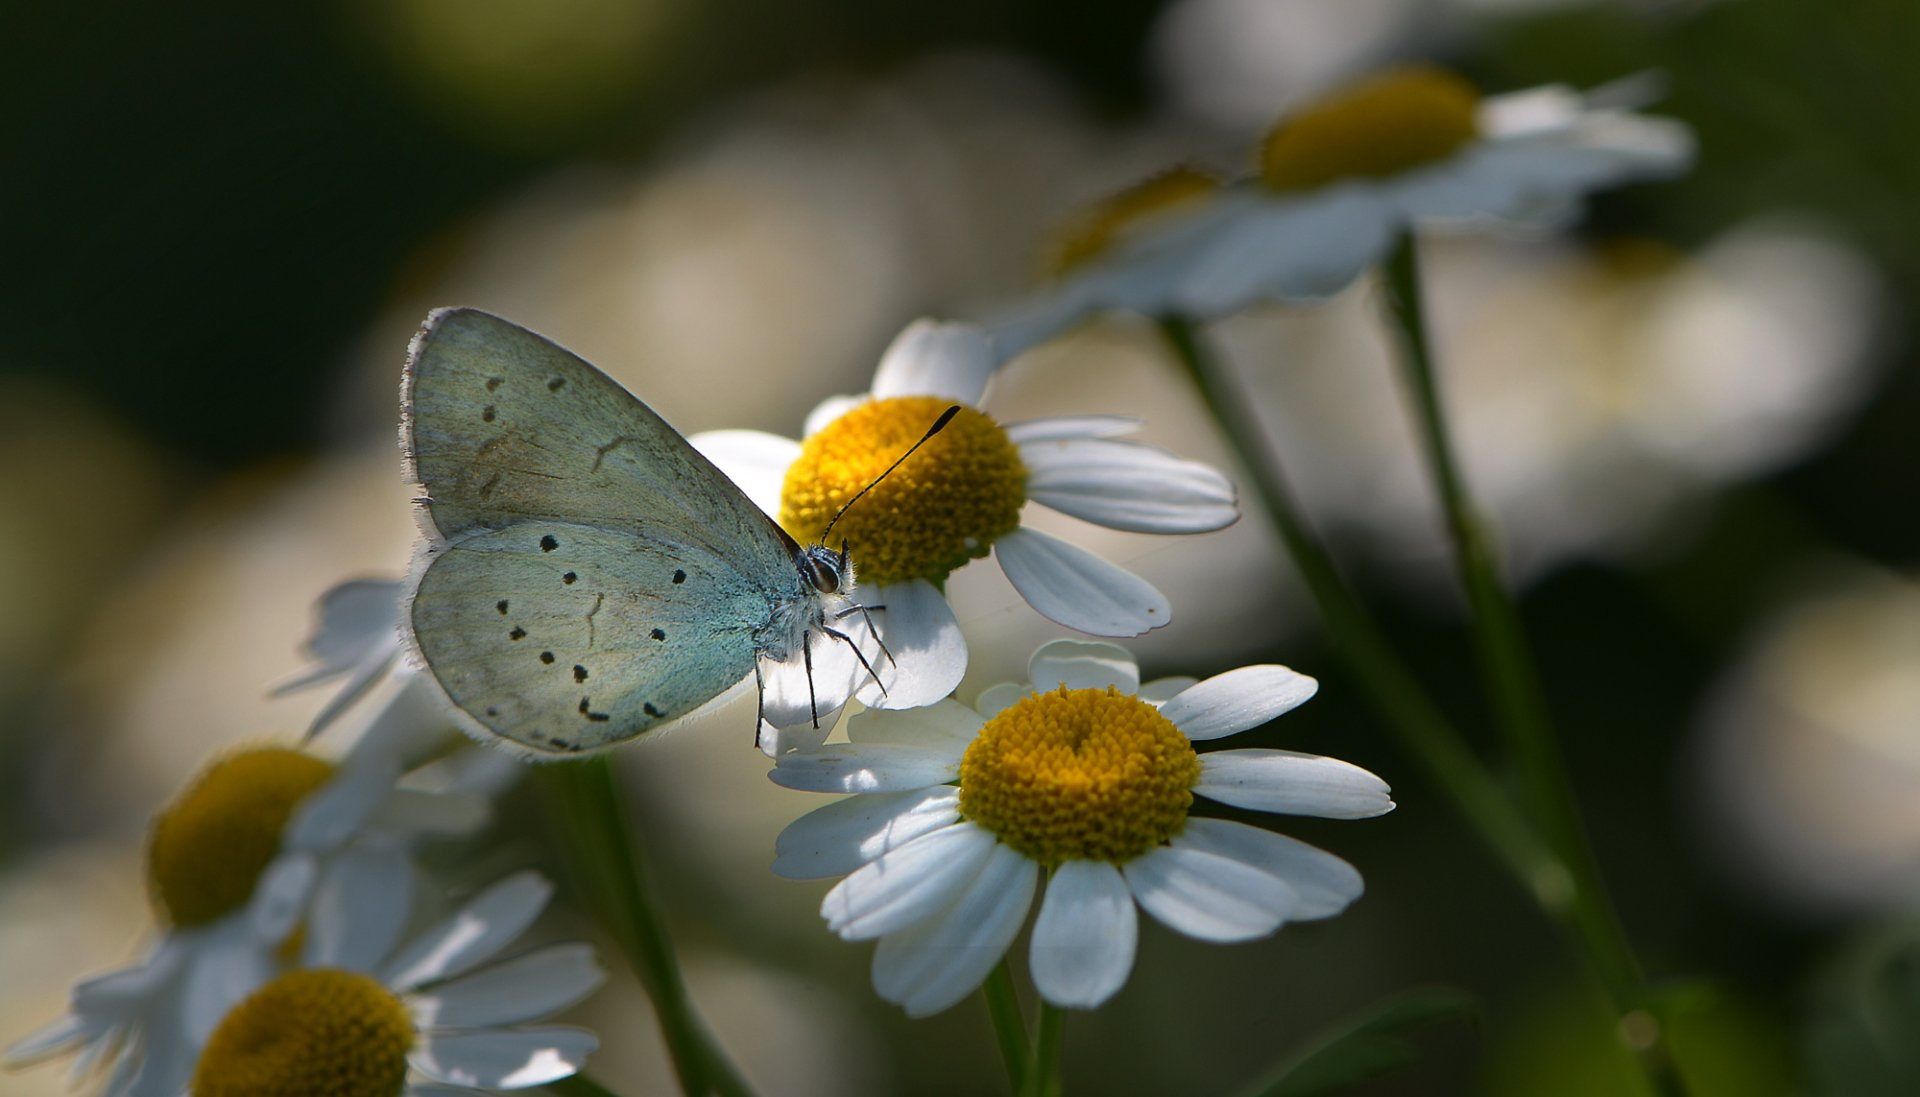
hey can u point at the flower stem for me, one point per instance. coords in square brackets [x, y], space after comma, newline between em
[581, 795]
[1506, 666]
[1422, 731]
[1009, 1031]
[579, 1085]
[1043, 1068]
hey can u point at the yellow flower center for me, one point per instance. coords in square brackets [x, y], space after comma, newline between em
[1083, 774]
[316, 1032]
[1396, 121]
[1119, 216]
[210, 845]
[942, 507]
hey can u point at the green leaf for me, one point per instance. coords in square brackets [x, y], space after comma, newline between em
[1366, 1045]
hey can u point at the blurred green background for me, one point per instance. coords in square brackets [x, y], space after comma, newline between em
[218, 226]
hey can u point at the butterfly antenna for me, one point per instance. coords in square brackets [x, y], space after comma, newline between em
[938, 425]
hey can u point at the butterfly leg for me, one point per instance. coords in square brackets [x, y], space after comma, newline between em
[858, 654]
[867, 612]
[806, 651]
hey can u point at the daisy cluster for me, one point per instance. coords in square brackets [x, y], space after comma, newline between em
[294, 945]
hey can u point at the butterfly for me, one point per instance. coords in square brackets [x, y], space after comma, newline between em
[587, 575]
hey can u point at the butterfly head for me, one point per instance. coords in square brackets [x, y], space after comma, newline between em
[825, 570]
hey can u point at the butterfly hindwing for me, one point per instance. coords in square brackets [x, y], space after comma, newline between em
[565, 638]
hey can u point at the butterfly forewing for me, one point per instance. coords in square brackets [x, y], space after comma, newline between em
[590, 575]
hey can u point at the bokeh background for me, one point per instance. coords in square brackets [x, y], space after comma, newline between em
[1696, 415]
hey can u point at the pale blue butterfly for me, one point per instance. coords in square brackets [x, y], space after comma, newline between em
[586, 574]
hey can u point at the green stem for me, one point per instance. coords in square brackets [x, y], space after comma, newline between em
[1043, 1067]
[1409, 714]
[1009, 1031]
[1506, 665]
[581, 795]
[579, 1086]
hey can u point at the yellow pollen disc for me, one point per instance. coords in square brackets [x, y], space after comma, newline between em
[1084, 774]
[1396, 121]
[942, 507]
[209, 846]
[1112, 219]
[316, 1032]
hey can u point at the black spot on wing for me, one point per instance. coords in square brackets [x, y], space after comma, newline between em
[486, 414]
[586, 710]
[579, 673]
[562, 744]
[548, 543]
[679, 576]
[517, 633]
[568, 578]
[658, 634]
[547, 657]
[501, 605]
[554, 385]
[652, 711]
[492, 711]
[493, 383]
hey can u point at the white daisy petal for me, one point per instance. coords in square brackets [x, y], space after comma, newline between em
[334, 811]
[996, 698]
[1292, 784]
[1075, 588]
[510, 1059]
[1237, 700]
[934, 964]
[1084, 938]
[446, 814]
[524, 988]
[1301, 249]
[280, 896]
[61, 1035]
[474, 933]
[1325, 884]
[357, 626]
[929, 652]
[942, 725]
[865, 767]
[792, 693]
[1062, 427]
[1208, 897]
[833, 407]
[227, 966]
[908, 883]
[774, 742]
[839, 838]
[1128, 486]
[931, 358]
[1083, 664]
[360, 908]
[753, 459]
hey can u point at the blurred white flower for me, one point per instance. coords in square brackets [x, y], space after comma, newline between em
[1340, 181]
[1810, 751]
[960, 498]
[429, 1018]
[1090, 776]
[264, 840]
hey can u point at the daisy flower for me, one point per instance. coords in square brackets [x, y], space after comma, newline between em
[260, 840]
[356, 637]
[960, 498]
[361, 1018]
[1084, 774]
[1340, 180]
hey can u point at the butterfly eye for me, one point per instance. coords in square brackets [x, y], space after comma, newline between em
[821, 568]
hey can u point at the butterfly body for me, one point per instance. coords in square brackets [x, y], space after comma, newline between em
[588, 575]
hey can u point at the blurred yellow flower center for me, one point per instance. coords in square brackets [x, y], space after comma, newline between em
[310, 1033]
[942, 507]
[1399, 120]
[1083, 774]
[210, 845]
[1113, 219]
